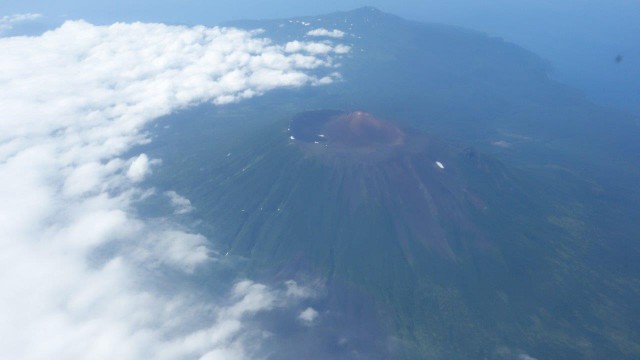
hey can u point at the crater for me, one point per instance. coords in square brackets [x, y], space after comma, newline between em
[357, 129]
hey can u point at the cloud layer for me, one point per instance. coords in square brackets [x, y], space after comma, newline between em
[83, 274]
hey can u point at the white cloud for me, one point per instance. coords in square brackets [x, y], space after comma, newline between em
[341, 49]
[509, 353]
[501, 143]
[140, 167]
[308, 316]
[83, 276]
[296, 291]
[88, 177]
[174, 248]
[7, 22]
[181, 205]
[525, 357]
[316, 48]
[335, 33]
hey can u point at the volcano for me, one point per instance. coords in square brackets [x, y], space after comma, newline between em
[388, 213]
[459, 204]
[425, 248]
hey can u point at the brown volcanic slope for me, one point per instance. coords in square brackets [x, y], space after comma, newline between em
[360, 129]
[346, 130]
[374, 163]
